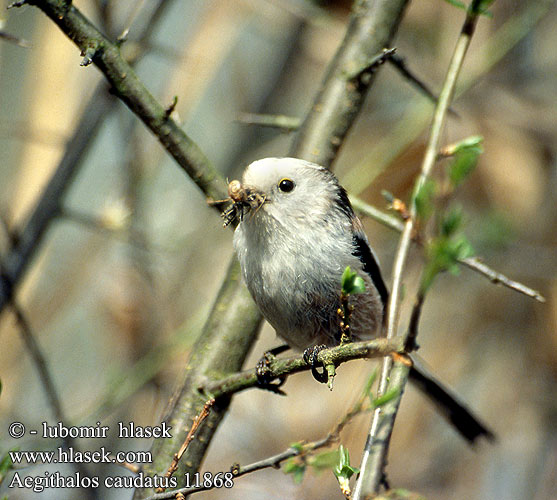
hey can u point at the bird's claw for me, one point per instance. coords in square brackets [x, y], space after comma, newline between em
[310, 357]
[265, 378]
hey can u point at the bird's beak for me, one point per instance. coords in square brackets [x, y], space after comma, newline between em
[245, 198]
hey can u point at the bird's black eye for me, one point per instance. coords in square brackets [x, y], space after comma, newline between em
[286, 185]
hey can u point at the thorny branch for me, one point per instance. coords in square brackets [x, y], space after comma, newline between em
[375, 452]
[473, 263]
[50, 203]
[276, 460]
[197, 421]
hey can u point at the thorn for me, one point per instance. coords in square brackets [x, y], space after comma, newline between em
[123, 37]
[168, 111]
[88, 55]
[371, 65]
[330, 375]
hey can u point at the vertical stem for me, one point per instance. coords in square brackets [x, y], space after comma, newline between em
[377, 444]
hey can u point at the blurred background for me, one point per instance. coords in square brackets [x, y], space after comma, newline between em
[126, 273]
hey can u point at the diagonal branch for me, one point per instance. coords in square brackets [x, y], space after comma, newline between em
[375, 452]
[371, 29]
[49, 205]
[130, 89]
[288, 366]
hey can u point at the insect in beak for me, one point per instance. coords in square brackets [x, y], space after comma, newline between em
[244, 199]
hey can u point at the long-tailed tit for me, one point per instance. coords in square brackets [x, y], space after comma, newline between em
[297, 233]
[293, 246]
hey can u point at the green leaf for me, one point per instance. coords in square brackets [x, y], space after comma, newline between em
[472, 142]
[451, 221]
[359, 285]
[351, 283]
[385, 398]
[367, 387]
[466, 155]
[347, 279]
[296, 468]
[443, 255]
[480, 7]
[424, 199]
[297, 446]
[456, 3]
[389, 197]
[343, 469]
[325, 460]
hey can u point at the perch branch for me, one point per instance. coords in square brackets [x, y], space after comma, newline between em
[281, 367]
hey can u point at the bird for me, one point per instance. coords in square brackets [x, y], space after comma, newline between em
[296, 233]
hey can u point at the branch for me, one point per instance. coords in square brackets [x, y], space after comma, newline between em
[281, 367]
[371, 28]
[130, 89]
[49, 205]
[275, 460]
[497, 278]
[375, 452]
[282, 122]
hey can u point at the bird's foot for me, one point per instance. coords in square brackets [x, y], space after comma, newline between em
[310, 357]
[265, 378]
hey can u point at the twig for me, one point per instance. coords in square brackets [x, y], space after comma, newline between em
[48, 383]
[48, 207]
[275, 460]
[399, 64]
[191, 434]
[14, 39]
[339, 101]
[375, 452]
[411, 344]
[473, 263]
[369, 67]
[283, 122]
[496, 277]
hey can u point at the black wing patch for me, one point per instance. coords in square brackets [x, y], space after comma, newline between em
[361, 248]
[363, 252]
[343, 203]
